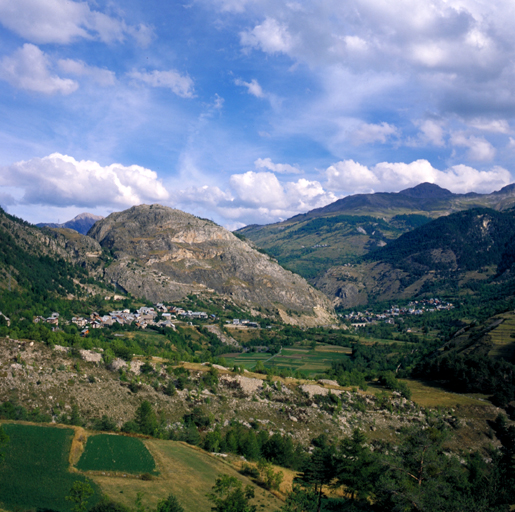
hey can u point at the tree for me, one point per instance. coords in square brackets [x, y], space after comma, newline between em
[318, 471]
[301, 500]
[146, 419]
[170, 504]
[79, 494]
[227, 495]
[418, 474]
[356, 466]
[271, 480]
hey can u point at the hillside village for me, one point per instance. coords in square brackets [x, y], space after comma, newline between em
[417, 307]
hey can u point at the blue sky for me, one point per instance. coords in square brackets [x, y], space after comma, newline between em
[249, 111]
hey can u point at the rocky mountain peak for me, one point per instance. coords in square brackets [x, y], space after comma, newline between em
[165, 254]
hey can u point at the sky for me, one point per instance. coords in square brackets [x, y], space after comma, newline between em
[250, 111]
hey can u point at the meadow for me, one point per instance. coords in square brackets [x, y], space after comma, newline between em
[308, 361]
[187, 472]
[105, 452]
[34, 473]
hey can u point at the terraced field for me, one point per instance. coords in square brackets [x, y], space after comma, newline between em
[503, 343]
[308, 361]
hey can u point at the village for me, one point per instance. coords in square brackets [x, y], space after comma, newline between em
[417, 307]
[158, 315]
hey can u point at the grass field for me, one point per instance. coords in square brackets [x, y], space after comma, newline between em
[310, 362]
[106, 452]
[34, 474]
[503, 343]
[184, 471]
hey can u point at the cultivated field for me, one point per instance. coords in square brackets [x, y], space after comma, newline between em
[310, 362]
[503, 343]
[105, 452]
[34, 473]
[184, 471]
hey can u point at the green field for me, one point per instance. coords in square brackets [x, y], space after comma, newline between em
[305, 360]
[186, 472]
[34, 474]
[106, 452]
[503, 343]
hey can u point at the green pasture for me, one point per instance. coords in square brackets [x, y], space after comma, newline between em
[297, 359]
[186, 472]
[106, 452]
[503, 343]
[34, 474]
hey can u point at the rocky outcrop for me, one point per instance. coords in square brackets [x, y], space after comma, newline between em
[164, 254]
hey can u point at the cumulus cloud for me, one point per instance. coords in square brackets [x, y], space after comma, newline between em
[63, 21]
[255, 197]
[269, 36]
[253, 87]
[266, 163]
[29, 68]
[182, 85]
[103, 77]
[60, 180]
[370, 133]
[478, 147]
[347, 177]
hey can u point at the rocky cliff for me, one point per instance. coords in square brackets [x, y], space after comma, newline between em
[164, 254]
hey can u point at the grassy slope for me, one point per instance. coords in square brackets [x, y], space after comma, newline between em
[293, 241]
[186, 472]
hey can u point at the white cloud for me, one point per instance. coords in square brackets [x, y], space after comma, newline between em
[370, 133]
[431, 132]
[60, 180]
[101, 76]
[255, 197]
[182, 85]
[479, 148]
[28, 68]
[63, 21]
[270, 36]
[258, 188]
[349, 177]
[491, 125]
[219, 102]
[253, 87]
[266, 163]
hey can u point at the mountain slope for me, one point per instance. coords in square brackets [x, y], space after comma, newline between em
[165, 254]
[475, 243]
[351, 227]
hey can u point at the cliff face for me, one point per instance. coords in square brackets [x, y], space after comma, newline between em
[164, 254]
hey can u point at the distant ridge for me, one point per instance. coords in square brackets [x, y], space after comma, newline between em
[81, 223]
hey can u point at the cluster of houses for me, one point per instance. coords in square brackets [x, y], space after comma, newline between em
[245, 323]
[159, 315]
[417, 307]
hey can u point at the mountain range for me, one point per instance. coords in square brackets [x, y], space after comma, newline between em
[342, 232]
[82, 223]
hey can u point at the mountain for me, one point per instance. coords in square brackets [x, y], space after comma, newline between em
[475, 244]
[164, 254]
[349, 228]
[82, 223]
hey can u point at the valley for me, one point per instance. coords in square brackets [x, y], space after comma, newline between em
[193, 346]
